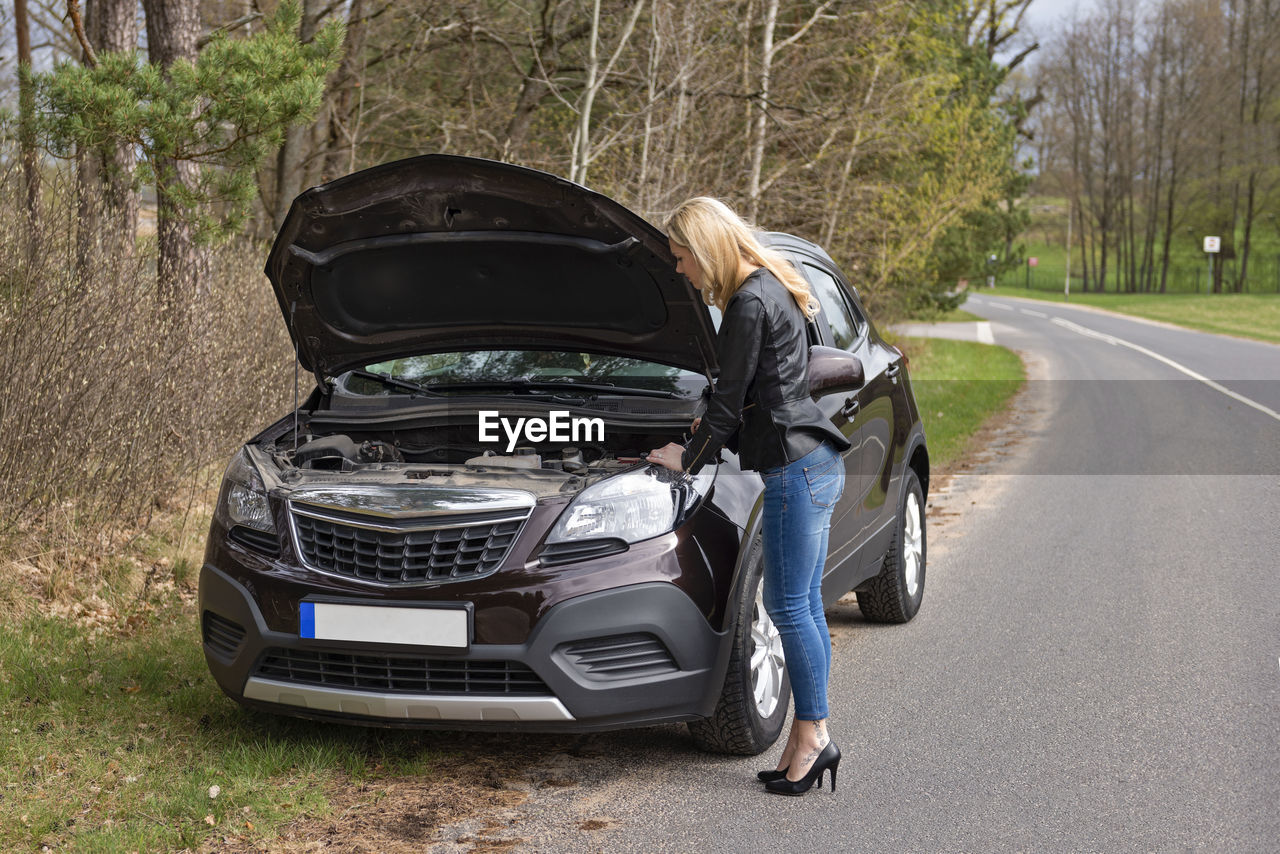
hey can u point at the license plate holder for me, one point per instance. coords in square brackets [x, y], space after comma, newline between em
[441, 625]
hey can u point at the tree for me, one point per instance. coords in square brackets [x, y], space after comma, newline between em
[26, 113]
[202, 122]
[874, 128]
[1163, 131]
[768, 53]
[984, 30]
[172, 34]
[289, 158]
[104, 176]
[596, 78]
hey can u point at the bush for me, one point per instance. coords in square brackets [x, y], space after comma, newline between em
[110, 405]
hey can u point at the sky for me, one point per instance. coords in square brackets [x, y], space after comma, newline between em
[1043, 15]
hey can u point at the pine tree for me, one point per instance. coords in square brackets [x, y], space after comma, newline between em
[202, 121]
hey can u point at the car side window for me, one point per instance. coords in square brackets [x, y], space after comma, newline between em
[845, 328]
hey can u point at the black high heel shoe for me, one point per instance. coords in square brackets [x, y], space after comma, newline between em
[766, 776]
[829, 758]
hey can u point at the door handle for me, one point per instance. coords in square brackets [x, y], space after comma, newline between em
[892, 371]
[850, 408]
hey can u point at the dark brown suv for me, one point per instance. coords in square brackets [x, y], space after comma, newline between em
[457, 529]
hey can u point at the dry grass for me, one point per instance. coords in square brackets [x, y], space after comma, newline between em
[404, 813]
[116, 412]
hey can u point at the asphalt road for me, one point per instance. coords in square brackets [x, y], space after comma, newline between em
[1096, 666]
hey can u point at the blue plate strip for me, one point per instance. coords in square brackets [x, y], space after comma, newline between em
[307, 619]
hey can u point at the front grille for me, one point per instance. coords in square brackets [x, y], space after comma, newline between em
[222, 635]
[399, 674]
[409, 551]
[620, 657]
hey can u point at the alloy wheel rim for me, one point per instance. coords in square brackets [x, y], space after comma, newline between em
[768, 667]
[912, 545]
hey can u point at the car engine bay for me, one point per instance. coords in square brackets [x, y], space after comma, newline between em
[449, 454]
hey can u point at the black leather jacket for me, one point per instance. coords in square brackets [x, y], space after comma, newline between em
[762, 393]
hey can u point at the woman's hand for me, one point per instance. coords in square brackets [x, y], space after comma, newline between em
[693, 428]
[668, 455]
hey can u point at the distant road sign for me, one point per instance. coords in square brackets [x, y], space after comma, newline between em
[1213, 244]
[1033, 261]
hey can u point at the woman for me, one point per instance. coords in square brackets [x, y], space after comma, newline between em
[762, 396]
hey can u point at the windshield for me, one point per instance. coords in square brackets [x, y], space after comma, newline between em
[532, 367]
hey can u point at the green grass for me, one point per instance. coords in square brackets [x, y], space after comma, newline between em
[1046, 235]
[957, 315]
[112, 743]
[1254, 316]
[959, 385]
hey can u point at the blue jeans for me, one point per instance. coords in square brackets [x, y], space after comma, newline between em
[799, 499]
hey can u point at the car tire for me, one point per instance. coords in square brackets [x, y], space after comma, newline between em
[894, 596]
[753, 703]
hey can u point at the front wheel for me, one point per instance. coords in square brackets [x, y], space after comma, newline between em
[894, 596]
[752, 708]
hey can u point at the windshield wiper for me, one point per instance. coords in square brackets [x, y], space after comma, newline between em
[523, 383]
[388, 380]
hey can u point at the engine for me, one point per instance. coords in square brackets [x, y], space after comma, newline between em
[451, 454]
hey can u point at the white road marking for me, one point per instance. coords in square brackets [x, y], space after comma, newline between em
[1000, 306]
[1120, 342]
[1033, 312]
[984, 332]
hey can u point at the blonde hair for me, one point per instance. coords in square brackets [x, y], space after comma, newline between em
[718, 239]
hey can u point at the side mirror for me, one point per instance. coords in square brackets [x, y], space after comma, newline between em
[832, 370]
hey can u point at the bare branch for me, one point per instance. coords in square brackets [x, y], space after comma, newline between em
[73, 9]
[623, 39]
[804, 28]
[1017, 60]
[226, 28]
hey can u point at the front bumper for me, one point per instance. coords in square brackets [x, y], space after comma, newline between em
[627, 656]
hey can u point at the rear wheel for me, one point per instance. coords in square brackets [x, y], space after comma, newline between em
[894, 596]
[753, 702]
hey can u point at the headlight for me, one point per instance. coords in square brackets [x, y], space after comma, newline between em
[632, 506]
[244, 500]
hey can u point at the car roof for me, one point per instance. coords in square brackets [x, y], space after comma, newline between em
[782, 240]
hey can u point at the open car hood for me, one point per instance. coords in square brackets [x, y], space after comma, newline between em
[441, 253]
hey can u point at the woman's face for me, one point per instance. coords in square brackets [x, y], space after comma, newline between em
[686, 264]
